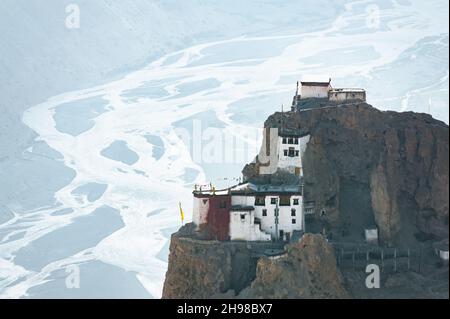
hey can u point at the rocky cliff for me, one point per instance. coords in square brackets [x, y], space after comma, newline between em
[362, 167]
[307, 270]
[212, 269]
[204, 269]
[366, 167]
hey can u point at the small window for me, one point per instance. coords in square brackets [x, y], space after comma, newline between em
[285, 200]
[284, 140]
[297, 153]
[204, 201]
[264, 212]
[273, 200]
[294, 221]
[296, 140]
[285, 152]
[293, 212]
[242, 217]
[295, 201]
[260, 201]
[291, 152]
[291, 140]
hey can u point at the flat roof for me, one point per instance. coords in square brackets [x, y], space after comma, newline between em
[347, 90]
[249, 188]
[210, 192]
[290, 134]
[265, 189]
[304, 83]
[241, 208]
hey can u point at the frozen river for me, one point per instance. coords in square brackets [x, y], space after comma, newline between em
[124, 154]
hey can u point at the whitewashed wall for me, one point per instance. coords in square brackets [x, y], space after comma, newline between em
[268, 222]
[290, 163]
[347, 96]
[285, 218]
[287, 162]
[246, 229]
[303, 144]
[200, 211]
[315, 91]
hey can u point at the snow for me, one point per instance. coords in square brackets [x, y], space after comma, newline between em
[126, 147]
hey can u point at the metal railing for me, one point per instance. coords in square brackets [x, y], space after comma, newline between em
[358, 256]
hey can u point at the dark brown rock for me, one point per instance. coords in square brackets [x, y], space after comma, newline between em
[212, 269]
[362, 166]
[394, 164]
[308, 270]
[201, 268]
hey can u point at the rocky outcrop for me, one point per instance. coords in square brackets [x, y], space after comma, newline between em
[212, 269]
[206, 269]
[363, 166]
[308, 270]
[386, 212]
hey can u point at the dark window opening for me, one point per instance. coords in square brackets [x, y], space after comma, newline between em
[297, 153]
[294, 221]
[285, 152]
[260, 201]
[293, 213]
[291, 140]
[295, 201]
[296, 140]
[264, 212]
[242, 217]
[285, 200]
[291, 152]
[273, 200]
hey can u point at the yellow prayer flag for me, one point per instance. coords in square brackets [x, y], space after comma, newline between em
[181, 214]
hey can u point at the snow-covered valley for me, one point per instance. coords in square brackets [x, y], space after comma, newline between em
[121, 155]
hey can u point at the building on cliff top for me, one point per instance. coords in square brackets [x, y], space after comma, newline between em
[315, 89]
[252, 212]
[324, 91]
[264, 212]
[289, 152]
[343, 95]
[249, 212]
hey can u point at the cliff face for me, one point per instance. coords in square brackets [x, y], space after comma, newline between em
[308, 270]
[205, 269]
[212, 269]
[363, 166]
